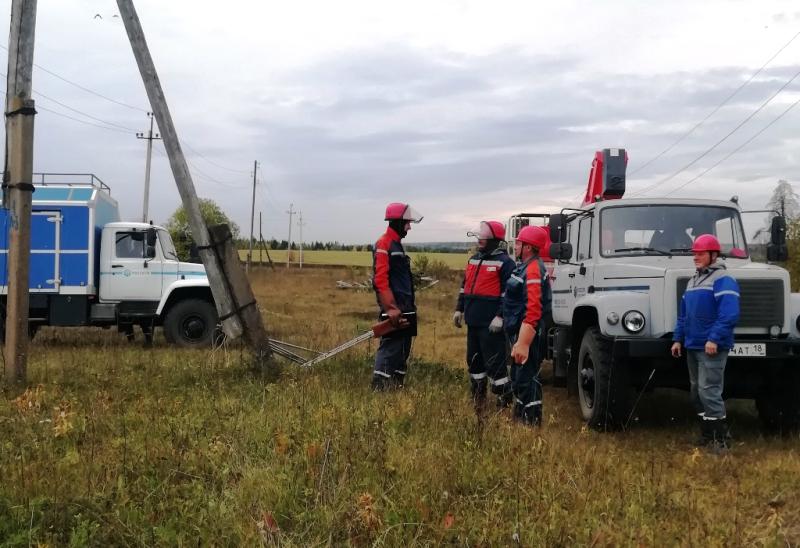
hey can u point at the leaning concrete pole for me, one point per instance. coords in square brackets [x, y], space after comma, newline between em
[237, 319]
[17, 184]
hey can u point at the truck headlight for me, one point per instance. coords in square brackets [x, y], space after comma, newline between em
[613, 318]
[633, 321]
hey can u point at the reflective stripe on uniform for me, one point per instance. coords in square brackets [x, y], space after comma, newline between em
[536, 281]
[397, 253]
[537, 402]
[477, 376]
[520, 280]
[382, 374]
[477, 262]
[381, 251]
[400, 371]
[499, 382]
[701, 288]
[705, 418]
[726, 292]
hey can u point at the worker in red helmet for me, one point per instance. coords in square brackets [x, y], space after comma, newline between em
[480, 306]
[706, 320]
[394, 289]
[526, 302]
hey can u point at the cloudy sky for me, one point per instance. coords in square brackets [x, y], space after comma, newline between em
[467, 109]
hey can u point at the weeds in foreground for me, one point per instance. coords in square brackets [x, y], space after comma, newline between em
[114, 445]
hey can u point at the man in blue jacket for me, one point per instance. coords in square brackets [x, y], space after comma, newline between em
[708, 314]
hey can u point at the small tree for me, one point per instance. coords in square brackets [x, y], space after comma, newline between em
[181, 232]
[786, 202]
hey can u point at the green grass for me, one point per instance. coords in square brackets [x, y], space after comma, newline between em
[456, 261]
[114, 445]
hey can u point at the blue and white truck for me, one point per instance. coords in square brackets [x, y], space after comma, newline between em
[88, 268]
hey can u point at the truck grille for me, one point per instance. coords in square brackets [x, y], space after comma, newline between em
[760, 305]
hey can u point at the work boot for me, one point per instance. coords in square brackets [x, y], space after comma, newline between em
[532, 416]
[478, 393]
[504, 400]
[398, 380]
[381, 383]
[720, 436]
[706, 436]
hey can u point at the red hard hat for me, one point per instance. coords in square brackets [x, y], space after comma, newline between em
[401, 211]
[490, 230]
[706, 242]
[533, 235]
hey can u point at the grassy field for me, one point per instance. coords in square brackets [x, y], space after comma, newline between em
[116, 445]
[455, 261]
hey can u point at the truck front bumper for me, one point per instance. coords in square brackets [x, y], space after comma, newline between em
[633, 347]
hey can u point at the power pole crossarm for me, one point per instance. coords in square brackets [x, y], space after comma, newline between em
[17, 184]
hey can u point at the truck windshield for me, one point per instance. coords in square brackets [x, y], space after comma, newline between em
[167, 247]
[668, 229]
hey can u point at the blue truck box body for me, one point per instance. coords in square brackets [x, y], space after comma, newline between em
[65, 253]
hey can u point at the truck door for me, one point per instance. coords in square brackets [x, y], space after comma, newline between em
[136, 268]
[572, 279]
[45, 271]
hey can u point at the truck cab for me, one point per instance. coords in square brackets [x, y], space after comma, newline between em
[88, 268]
[621, 268]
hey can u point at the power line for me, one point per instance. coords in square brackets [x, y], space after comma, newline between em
[40, 107]
[120, 103]
[87, 90]
[716, 109]
[725, 138]
[737, 149]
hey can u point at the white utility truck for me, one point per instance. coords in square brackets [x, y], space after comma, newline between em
[89, 269]
[620, 269]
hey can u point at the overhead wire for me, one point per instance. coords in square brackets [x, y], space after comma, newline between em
[725, 138]
[716, 109]
[194, 151]
[737, 149]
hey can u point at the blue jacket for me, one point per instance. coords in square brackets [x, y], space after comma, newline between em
[709, 310]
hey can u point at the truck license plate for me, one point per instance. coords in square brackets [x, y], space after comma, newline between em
[749, 350]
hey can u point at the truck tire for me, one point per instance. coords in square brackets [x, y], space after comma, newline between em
[778, 404]
[191, 323]
[603, 386]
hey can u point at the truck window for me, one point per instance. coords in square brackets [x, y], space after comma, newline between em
[130, 245]
[584, 239]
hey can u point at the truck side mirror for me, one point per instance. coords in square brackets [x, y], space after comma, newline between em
[777, 253]
[150, 252]
[558, 228]
[561, 252]
[151, 237]
[777, 231]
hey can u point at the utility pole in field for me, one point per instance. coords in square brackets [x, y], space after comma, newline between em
[233, 297]
[300, 224]
[17, 185]
[149, 138]
[291, 213]
[252, 218]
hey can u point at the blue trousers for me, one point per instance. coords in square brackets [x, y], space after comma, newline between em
[390, 360]
[486, 360]
[706, 382]
[525, 382]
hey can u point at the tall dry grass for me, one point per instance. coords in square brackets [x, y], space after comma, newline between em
[115, 445]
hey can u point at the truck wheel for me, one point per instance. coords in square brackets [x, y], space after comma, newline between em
[779, 405]
[191, 323]
[602, 385]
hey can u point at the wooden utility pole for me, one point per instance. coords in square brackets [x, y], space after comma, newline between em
[252, 218]
[291, 213]
[300, 224]
[17, 184]
[150, 137]
[231, 311]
